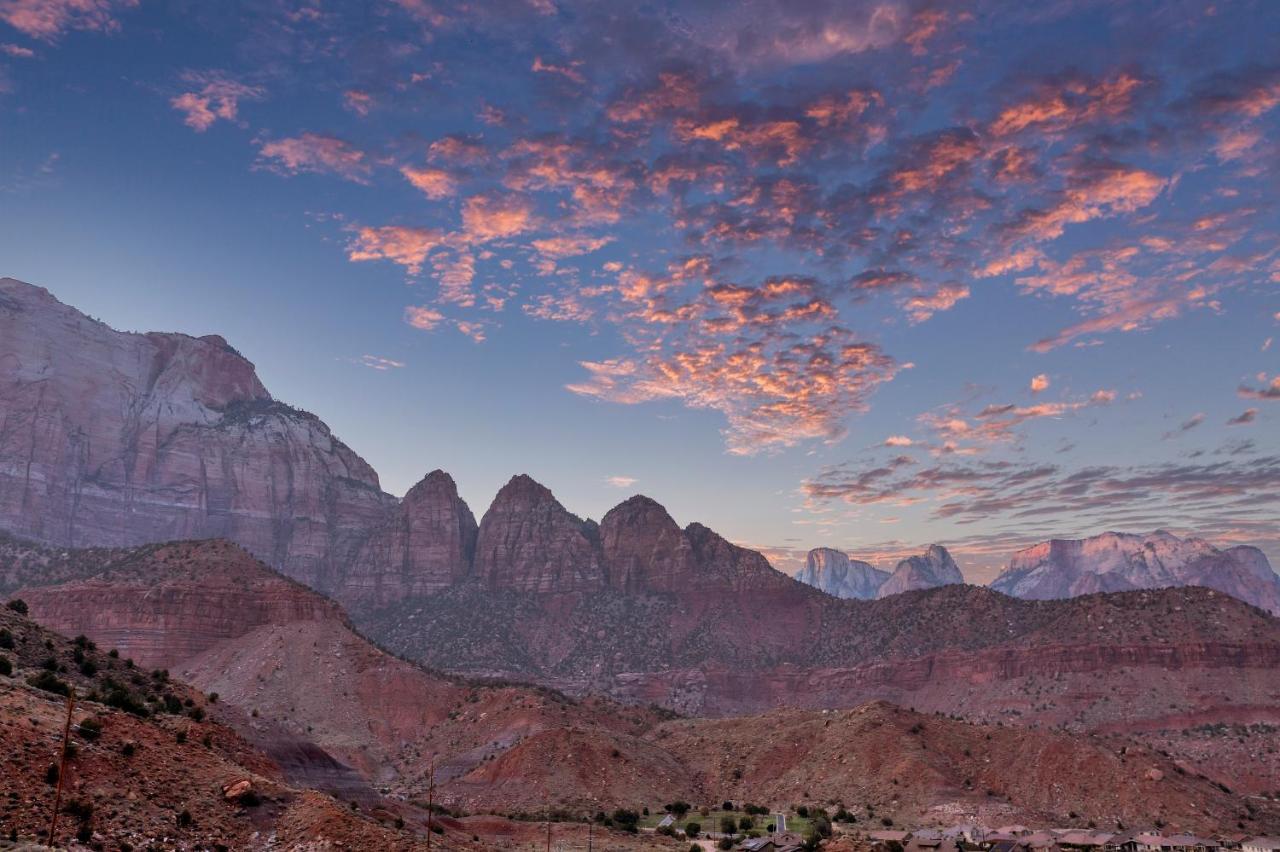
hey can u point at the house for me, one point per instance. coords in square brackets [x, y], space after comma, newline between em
[758, 844]
[788, 841]
[1008, 846]
[1085, 839]
[1187, 843]
[889, 836]
[1039, 840]
[999, 837]
[667, 821]
[1260, 844]
[931, 844]
[1124, 842]
[968, 832]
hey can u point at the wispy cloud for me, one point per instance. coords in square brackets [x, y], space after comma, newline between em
[315, 153]
[48, 19]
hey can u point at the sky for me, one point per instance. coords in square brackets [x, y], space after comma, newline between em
[843, 274]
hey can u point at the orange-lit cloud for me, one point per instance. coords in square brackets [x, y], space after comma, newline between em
[216, 97]
[433, 183]
[409, 247]
[423, 317]
[316, 153]
[494, 217]
[1057, 106]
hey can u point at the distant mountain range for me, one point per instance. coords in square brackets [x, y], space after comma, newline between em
[1065, 568]
[1115, 562]
[119, 439]
[836, 574]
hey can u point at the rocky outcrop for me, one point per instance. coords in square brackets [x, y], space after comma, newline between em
[836, 574]
[1114, 562]
[114, 439]
[528, 542]
[426, 544]
[935, 568]
[644, 548]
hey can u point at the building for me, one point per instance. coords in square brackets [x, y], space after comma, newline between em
[1085, 839]
[1261, 844]
[968, 832]
[889, 836]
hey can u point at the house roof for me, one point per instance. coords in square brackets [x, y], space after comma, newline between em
[886, 836]
[1263, 842]
[1085, 838]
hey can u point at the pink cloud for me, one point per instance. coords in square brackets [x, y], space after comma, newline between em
[433, 183]
[1270, 390]
[315, 153]
[217, 97]
[1059, 105]
[48, 19]
[494, 217]
[423, 317]
[409, 247]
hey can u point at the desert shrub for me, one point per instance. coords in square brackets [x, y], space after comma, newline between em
[6, 638]
[6, 667]
[626, 819]
[50, 682]
[692, 829]
[90, 729]
[19, 606]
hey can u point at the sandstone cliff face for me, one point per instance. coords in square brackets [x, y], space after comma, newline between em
[935, 568]
[644, 548]
[528, 542]
[426, 544]
[836, 574]
[110, 439]
[1114, 562]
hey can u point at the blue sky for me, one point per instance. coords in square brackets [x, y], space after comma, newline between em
[862, 275]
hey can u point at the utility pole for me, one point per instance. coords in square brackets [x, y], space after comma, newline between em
[62, 765]
[547, 805]
[431, 797]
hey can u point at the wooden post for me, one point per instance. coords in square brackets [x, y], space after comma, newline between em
[431, 797]
[62, 766]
